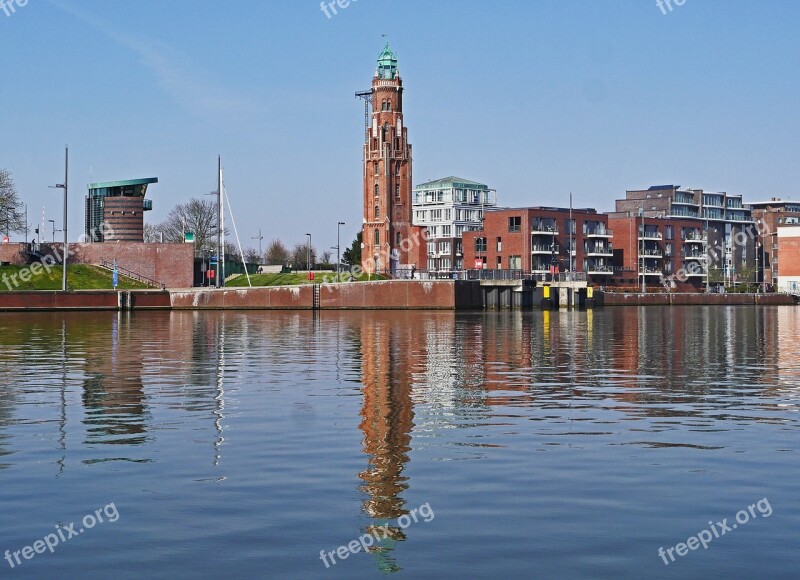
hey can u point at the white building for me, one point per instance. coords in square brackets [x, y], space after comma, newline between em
[447, 208]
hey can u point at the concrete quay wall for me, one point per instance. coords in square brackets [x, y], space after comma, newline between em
[620, 299]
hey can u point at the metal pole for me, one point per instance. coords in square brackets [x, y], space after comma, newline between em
[308, 253]
[644, 261]
[219, 219]
[66, 245]
[338, 249]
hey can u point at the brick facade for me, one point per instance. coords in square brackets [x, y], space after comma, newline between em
[169, 264]
[534, 239]
[387, 177]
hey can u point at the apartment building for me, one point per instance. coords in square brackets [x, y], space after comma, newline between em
[542, 240]
[447, 208]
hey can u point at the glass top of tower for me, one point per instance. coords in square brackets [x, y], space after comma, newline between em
[387, 63]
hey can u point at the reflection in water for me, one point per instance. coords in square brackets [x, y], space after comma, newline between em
[113, 393]
[387, 422]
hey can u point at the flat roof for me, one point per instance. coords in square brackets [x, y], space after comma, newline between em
[124, 183]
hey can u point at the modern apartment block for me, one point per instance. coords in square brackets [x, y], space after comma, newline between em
[542, 240]
[447, 208]
[728, 225]
[655, 250]
[769, 217]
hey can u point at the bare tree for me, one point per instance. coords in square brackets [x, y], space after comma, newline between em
[12, 218]
[196, 215]
[300, 255]
[326, 257]
[277, 254]
[251, 256]
[151, 234]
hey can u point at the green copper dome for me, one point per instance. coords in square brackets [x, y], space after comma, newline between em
[387, 63]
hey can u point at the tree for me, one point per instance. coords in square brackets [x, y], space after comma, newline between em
[196, 215]
[277, 254]
[151, 235]
[300, 256]
[326, 257]
[12, 219]
[252, 256]
[352, 255]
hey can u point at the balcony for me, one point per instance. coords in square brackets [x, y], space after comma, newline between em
[601, 271]
[650, 235]
[652, 272]
[695, 256]
[600, 251]
[694, 239]
[544, 249]
[651, 253]
[598, 233]
[538, 229]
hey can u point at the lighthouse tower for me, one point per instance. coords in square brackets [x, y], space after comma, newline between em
[388, 245]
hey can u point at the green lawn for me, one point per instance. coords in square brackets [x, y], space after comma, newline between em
[79, 277]
[291, 279]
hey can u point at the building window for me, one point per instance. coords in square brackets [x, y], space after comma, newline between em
[480, 245]
[668, 232]
[377, 168]
[515, 263]
[377, 190]
[397, 191]
[446, 231]
[514, 224]
[377, 213]
[499, 262]
[397, 240]
[397, 169]
[499, 244]
[377, 238]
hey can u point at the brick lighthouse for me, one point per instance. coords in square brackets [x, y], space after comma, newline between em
[387, 232]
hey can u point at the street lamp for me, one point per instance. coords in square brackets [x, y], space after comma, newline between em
[308, 253]
[338, 249]
[65, 251]
[644, 260]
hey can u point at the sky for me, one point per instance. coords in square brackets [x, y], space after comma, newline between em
[536, 98]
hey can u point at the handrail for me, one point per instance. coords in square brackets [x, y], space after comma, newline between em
[132, 275]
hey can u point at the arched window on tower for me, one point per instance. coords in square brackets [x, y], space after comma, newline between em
[377, 213]
[377, 237]
[377, 190]
[377, 167]
[397, 191]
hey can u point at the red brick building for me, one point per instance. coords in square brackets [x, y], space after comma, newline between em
[788, 279]
[538, 240]
[658, 250]
[388, 242]
[769, 216]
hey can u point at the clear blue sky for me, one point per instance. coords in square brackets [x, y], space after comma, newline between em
[535, 98]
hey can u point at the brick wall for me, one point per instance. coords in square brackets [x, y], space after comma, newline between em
[169, 264]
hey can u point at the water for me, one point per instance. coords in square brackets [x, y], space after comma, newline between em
[564, 445]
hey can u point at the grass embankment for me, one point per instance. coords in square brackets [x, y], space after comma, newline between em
[294, 279]
[79, 277]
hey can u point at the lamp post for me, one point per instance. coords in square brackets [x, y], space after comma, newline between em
[338, 249]
[65, 251]
[259, 237]
[308, 253]
[644, 260]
